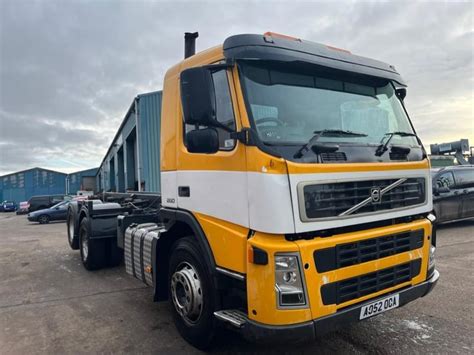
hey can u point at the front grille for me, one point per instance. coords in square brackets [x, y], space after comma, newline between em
[334, 199]
[347, 254]
[333, 157]
[363, 285]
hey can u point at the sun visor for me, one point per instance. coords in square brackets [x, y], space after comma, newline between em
[277, 48]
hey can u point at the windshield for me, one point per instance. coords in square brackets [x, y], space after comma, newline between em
[289, 103]
[60, 204]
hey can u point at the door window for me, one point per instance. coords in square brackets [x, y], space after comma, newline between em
[224, 110]
[464, 177]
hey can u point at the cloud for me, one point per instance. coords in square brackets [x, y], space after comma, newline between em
[69, 71]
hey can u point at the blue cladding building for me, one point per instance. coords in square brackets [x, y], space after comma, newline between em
[132, 162]
[20, 186]
[80, 181]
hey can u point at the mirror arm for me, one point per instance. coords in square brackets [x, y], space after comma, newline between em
[217, 124]
[249, 137]
[242, 136]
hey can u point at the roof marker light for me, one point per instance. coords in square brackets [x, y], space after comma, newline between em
[338, 49]
[270, 35]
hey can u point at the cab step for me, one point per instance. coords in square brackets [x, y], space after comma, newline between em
[232, 316]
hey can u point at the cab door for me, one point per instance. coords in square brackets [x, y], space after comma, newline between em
[215, 184]
[446, 203]
[465, 181]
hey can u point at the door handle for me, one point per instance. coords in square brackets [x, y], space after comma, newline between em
[184, 191]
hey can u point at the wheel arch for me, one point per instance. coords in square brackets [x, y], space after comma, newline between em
[181, 224]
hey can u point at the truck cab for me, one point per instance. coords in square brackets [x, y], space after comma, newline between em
[295, 193]
[272, 144]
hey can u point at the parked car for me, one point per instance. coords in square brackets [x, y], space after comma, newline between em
[41, 202]
[22, 208]
[57, 212]
[453, 193]
[8, 206]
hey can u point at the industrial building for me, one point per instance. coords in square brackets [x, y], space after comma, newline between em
[81, 180]
[22, 185]
[132, 162]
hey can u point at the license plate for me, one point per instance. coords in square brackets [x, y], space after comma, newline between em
[379, 306]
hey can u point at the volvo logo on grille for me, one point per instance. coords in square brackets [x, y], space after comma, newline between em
[375, 195]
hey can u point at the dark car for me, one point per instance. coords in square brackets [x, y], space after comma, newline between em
[8, 206]
[41, 202]
[453, 193]
[57, 212]
[22, 208]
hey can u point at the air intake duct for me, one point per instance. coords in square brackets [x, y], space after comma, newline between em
[190, 43]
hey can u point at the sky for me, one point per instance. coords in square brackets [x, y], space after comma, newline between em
[69, 70]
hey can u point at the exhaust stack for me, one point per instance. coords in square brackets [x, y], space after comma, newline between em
[190, 43]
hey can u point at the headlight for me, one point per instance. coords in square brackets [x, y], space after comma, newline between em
[289, 282]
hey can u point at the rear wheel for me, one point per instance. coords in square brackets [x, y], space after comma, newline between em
[93, 251]
[43, 219]
[191, 291]
[71, 226]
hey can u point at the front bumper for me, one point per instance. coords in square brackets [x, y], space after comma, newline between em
[310, 330]
[32, 218]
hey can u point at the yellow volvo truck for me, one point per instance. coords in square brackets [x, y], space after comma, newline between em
[295, 194]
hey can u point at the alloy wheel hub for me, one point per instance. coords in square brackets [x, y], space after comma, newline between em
[71, 231]
[85, 247]
[186, 292]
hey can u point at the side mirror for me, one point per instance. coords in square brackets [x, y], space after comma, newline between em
[197, 96]
[401, 93]
[202, 141]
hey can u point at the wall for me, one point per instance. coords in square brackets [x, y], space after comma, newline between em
[75, 180]
[149, 140]
[22, 185]
[135, 151]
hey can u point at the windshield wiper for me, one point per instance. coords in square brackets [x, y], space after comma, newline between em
[327, 133]
[382, 148]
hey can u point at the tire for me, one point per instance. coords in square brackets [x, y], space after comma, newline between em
[43, 219]
[189, 279]
[72, 238]
[93, 251]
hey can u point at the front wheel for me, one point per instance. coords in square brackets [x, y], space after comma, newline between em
[43, 219]
[191, 291]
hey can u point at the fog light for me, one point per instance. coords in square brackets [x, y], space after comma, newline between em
[289, 282]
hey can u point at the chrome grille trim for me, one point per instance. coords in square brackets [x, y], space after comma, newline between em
[344, 199]
[369, 199]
